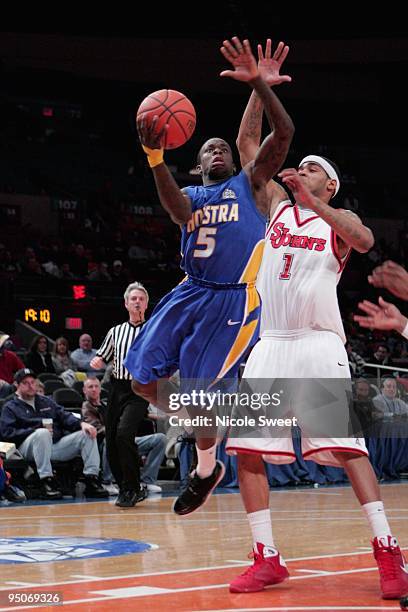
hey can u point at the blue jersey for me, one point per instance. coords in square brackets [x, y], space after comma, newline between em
[207, 324]
[224, 239]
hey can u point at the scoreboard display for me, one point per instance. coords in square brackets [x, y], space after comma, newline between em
[37, 315]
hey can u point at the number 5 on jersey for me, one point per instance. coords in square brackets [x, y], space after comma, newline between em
[205, 238]
[287, 264]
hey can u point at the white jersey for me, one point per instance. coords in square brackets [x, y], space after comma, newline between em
[299, 274]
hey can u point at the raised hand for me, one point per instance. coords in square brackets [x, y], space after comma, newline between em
[148, 134]
[384, 316]
[241, 57]
[269, 65]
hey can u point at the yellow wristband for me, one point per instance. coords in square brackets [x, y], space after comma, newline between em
[154, 156]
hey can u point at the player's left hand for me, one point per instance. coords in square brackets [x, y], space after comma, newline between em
[383, 316]
[241, 57]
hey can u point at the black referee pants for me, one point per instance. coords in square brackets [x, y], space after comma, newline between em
[125, 413]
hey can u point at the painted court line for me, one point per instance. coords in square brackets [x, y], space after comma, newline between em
[195, 569]
[119, 515]
[137, 592]
[285, 608]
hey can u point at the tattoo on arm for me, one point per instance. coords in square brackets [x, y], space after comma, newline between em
[254, 124]
[347, 225]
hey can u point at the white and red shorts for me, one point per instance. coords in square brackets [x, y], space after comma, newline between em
[298, 354]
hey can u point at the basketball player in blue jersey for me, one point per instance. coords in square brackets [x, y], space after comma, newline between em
[207, 324]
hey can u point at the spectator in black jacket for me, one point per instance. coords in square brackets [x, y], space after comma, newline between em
[38, 426]
[39, 358]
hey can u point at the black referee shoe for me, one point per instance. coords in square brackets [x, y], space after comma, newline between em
[198, 490]
[128, 498]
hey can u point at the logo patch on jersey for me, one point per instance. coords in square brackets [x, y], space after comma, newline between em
[46, 549]
[280, 236]
[228, 194]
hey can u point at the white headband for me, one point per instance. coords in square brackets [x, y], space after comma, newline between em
[328, 168]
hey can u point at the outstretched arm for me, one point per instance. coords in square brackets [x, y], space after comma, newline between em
[250, 130]
[272, 153]
[171, 197]
[344, 222]
[385, 316]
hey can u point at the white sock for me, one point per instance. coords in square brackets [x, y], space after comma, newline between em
[377, 518]
[206, 461]
[261, 527]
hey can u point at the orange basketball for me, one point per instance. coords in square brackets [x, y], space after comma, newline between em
[173, 108]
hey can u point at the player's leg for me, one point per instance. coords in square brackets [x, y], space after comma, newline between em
[209, 358]
[390, 561]
[269, 567]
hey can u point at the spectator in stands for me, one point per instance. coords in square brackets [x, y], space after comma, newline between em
[364, 405]
[6, 389]
[39, 387]
[61, 356]
[118, 247]
[79, 262]
[119, 273]
[94, 412]
[65, 271]
[138, 253]
[152, 448]
[22, 422]
[33, 268]
[9, 266]
[39, 358]
[356, 362]
[51, 268]
[387, 401]
[83, 355]
[381, 355]
[100, 273]
[9, 361]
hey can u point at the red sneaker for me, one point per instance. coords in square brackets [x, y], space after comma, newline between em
[391, 563]
[268, 568]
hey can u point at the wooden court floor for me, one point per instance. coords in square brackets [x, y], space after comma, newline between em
[321, 533]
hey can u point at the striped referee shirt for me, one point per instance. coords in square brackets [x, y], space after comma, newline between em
[117, 342]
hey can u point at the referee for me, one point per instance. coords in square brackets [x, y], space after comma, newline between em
[125, 409]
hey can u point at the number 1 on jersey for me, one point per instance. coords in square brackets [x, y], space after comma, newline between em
[287, 264]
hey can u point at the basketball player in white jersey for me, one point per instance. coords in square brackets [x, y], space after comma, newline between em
[302, 336]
